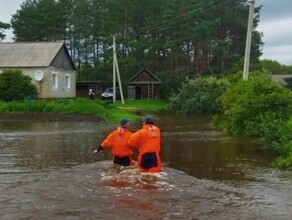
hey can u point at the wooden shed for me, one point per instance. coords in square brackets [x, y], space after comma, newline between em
[47, 63]
[144, 85]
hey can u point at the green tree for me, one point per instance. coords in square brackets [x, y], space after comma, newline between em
[274, 67]
[3, 26]
[188, 37]
[15, 86]
[38, 20]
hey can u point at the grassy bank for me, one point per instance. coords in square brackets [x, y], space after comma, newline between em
[83, 106]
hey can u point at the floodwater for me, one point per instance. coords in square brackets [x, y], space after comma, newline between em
[47, 171]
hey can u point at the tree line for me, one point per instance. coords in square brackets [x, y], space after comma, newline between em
[175, 38]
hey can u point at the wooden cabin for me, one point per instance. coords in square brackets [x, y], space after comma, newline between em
[144, 85]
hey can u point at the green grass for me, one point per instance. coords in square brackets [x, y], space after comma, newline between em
[151, 105]
[112, 112]
[133, 109]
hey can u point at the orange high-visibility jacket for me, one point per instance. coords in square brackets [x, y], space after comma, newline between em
[118, 142]
[147, 140]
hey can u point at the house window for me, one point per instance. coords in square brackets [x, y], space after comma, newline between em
[67, 81]
[55, 80]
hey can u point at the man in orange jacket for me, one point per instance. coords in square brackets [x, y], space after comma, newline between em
[118, 142]
[147, 140]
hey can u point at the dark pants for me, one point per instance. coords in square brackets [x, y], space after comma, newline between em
[123, 161]
[149, 160]
[91, 96]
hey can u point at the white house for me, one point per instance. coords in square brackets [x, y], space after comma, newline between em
[47, 63]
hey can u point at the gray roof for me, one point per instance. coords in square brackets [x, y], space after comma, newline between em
[283, 79]
[153, 78]
[38, 54]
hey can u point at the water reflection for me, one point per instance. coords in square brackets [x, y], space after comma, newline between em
[48, 170]
[190, 145]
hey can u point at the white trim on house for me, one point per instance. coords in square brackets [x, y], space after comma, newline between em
[55, 80]
[67, 81]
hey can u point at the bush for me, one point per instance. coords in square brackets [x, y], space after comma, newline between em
[257, 107]
[283, 144]
[198, 96]
[283, 162]
[16, 86]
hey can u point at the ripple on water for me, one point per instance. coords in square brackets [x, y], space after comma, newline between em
[100, 191]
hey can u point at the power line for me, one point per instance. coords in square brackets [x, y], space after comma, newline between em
[172, 20]
[273, 10]
[195, 12]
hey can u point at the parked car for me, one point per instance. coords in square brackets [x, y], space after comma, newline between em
[108, 93]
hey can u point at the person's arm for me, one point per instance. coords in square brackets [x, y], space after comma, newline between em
[107, 143]
[134, 140]
[95, 151]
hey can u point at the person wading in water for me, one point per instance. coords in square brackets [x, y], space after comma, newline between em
[117, 141]
[147, 141]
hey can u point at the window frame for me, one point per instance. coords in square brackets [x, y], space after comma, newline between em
[55, 80]
[67, 81]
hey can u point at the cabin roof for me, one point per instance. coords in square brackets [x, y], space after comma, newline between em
[144, 76]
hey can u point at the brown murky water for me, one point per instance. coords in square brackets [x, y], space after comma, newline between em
[47, 171]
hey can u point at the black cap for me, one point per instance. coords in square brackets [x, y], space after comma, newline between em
[148, 120]
[124, 121]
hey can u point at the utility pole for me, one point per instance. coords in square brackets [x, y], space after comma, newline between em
[116, 71]
[248, 40]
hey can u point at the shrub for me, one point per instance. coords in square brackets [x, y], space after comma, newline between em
[283, 162]
[257, 107]
[198, 96]
[16, 86]
[283, 144]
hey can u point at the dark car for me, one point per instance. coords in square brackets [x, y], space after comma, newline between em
[108, 93]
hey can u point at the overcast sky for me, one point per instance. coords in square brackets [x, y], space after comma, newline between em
[275, 24]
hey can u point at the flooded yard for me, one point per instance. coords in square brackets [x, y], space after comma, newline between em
[47, 171]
